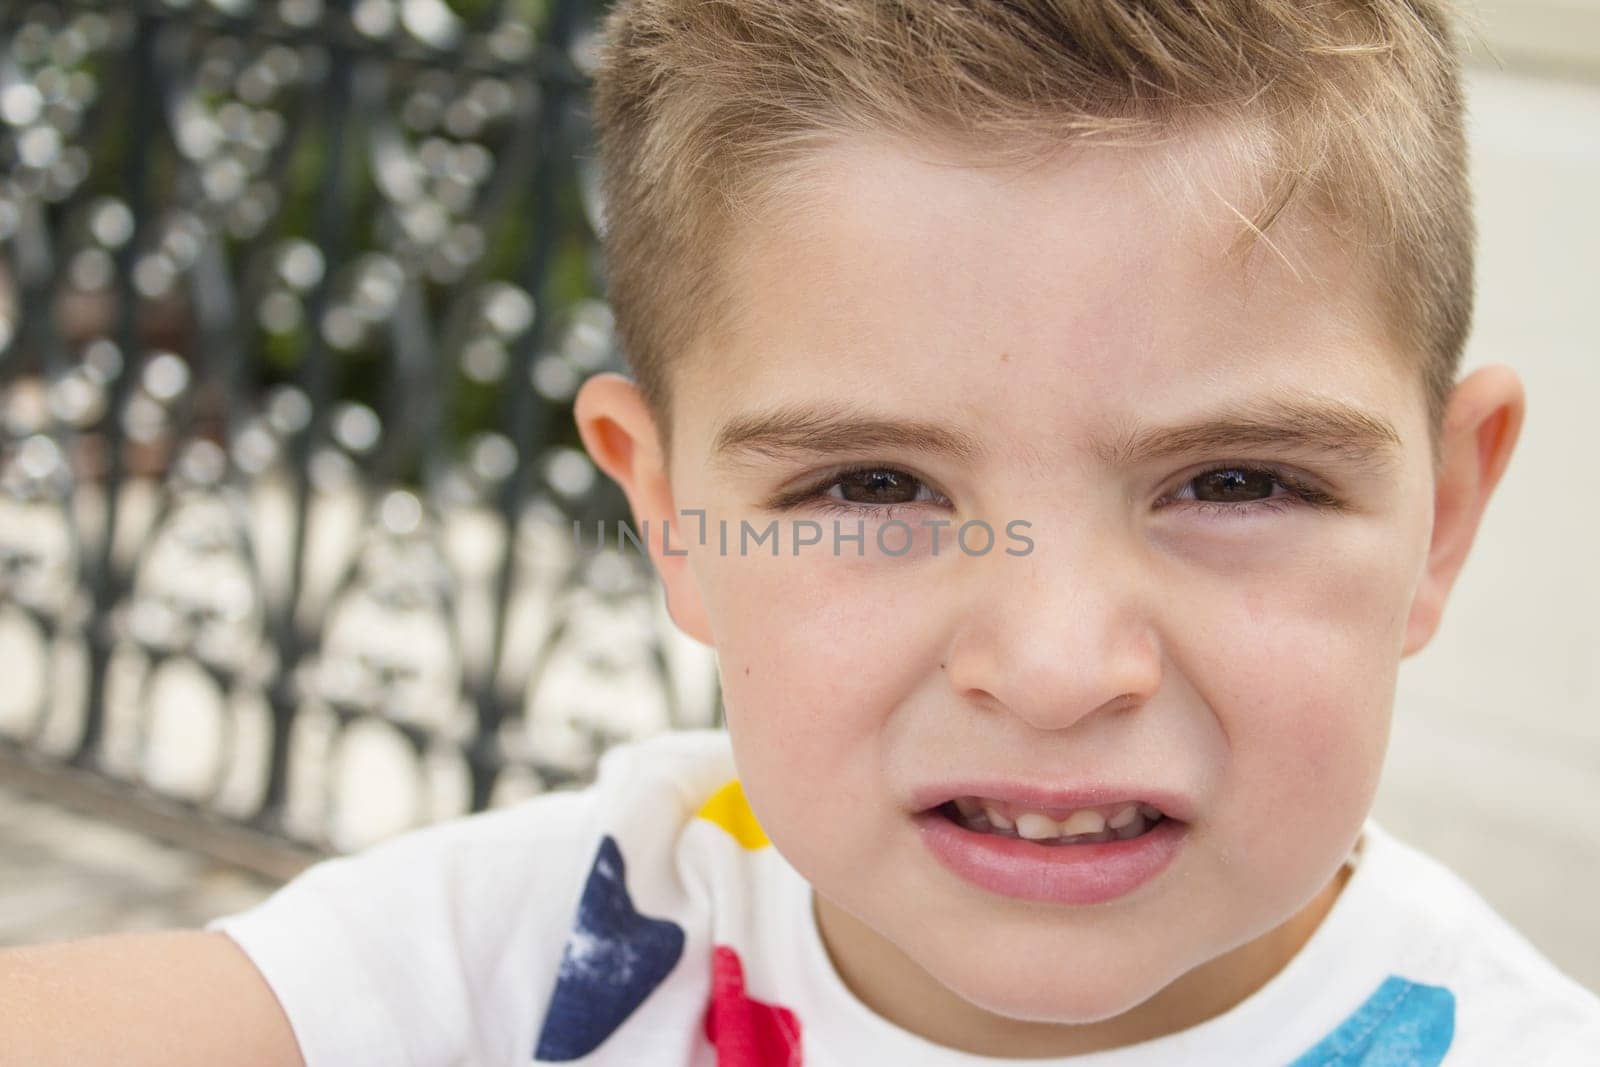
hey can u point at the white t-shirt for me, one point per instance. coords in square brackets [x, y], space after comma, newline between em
[647, 920]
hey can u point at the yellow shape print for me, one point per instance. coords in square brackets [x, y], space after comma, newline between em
[729, 810]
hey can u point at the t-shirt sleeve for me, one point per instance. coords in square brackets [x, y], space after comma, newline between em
[434, 947]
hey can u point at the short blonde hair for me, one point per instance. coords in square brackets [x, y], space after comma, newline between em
[704, 107]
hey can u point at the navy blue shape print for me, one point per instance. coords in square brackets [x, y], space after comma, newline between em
[614, 959]
[1403, 1024]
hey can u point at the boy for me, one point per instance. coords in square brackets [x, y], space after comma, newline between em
[894, 278]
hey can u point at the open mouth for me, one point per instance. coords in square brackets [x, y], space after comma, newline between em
[1094, 825]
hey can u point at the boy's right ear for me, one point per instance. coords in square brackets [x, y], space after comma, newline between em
[618, 430]
[622, 438]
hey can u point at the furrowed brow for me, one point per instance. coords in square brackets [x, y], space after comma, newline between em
[796, 429]
[1305, 424]
[1309, 424]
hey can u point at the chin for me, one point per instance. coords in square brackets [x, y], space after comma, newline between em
[1062, 995]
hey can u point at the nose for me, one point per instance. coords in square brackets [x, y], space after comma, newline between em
[1061, 634]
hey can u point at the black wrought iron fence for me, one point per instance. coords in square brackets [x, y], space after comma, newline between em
[294, 297]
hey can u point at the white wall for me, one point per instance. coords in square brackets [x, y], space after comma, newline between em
[1495, 761]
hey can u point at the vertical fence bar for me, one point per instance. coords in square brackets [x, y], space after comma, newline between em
[554, 64]
[315, 377]
[108, 584]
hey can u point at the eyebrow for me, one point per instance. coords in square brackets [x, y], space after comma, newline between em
[1301, 423]
[1292, 422]
[798, 429]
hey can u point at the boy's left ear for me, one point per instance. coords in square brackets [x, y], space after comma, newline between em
[1480, 429]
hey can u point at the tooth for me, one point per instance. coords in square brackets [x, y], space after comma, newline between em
[1132, 829]
[997, 818]
[1123, 817]
[1036, 827]
[1087, 821]
[1149, 812]
[967, 806]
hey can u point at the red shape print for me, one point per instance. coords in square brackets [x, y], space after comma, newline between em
[747, 1032]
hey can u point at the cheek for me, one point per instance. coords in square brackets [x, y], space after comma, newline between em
[815, 657]
[816, 639]
[1306, 707]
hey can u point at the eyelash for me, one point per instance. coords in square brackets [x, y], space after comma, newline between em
[1301, 493]
[816, 498]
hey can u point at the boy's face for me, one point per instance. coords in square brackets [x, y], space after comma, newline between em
[1212, 642]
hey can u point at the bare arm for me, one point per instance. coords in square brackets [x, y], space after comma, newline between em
[177, 998]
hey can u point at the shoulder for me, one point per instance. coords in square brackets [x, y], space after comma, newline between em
[685, 764]
[1512, 1004]
[643, 785]
[461, 924]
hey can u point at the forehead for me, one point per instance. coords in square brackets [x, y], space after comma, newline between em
[1090, 290]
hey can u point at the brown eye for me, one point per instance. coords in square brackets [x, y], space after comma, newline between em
[877, 486]
[872, 492]
[1241, 490]
[1234, 485]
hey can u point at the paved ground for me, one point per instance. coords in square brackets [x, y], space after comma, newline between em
[64, 876]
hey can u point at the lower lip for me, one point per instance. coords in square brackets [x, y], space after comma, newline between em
[1057, 874]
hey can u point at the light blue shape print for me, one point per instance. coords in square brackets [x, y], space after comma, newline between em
[1403, 1024]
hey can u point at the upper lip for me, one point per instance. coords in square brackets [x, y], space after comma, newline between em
[1055, 801]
